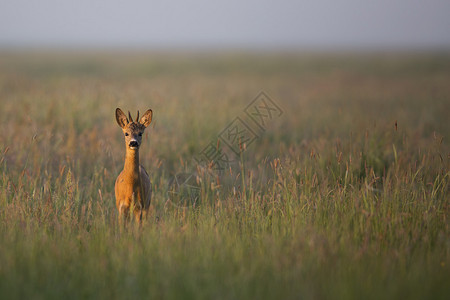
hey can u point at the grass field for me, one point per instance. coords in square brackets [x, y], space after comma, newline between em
[345, 195]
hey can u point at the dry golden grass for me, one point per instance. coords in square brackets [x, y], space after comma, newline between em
[346, 195]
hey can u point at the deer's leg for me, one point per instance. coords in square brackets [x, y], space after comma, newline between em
[138, 211]
[124, 214]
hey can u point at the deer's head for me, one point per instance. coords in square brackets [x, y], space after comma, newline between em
[133, 130]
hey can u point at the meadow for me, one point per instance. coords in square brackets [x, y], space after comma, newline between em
[344, 195]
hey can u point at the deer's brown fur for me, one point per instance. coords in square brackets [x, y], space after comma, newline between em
[133, 188]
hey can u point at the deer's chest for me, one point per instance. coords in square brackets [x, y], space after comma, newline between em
[128, 188]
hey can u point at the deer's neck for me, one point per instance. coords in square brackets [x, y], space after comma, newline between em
[131, 168]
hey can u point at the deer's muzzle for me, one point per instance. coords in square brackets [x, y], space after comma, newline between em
[134, 144]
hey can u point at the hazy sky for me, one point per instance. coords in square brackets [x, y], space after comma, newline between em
[231, 23]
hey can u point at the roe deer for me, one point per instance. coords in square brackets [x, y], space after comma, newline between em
[133, 188]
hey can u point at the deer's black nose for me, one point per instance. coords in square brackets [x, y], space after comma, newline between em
[134, 144]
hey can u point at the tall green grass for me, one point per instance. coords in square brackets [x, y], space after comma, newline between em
[345, 196]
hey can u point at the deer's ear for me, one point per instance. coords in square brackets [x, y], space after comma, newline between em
[121, 118]
[146, 118]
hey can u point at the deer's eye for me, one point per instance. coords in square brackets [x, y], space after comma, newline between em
[126, 133]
